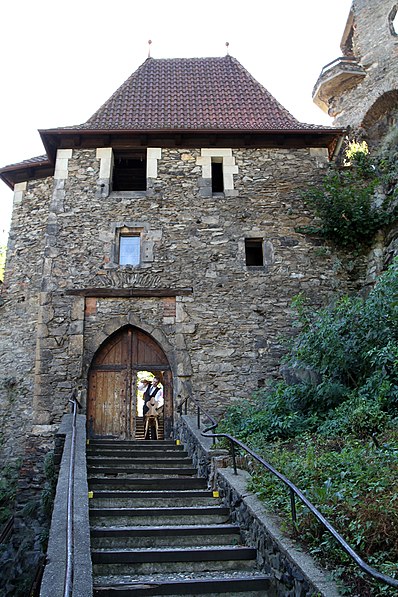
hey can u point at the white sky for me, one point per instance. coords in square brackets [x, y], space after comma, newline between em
[61, 60]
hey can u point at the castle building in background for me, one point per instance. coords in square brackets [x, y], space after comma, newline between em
[162, 238]
[158, 237]
[360, 88]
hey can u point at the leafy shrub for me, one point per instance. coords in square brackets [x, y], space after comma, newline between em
[353, 345]
[319, 434]
[345, 203]
[357, 416]
[8, 485]
[355, 487]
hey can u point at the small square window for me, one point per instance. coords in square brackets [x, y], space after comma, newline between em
[254, 251]
[217, 176]
[129, 249]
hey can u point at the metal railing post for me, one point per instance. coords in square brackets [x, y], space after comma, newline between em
[293, 509]
[233, 458]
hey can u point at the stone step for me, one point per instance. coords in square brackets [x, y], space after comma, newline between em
[130, 498]
[144, 561]
[200, 515]
[136, 469]
[174, 483]
[116, 453]
[164, 536]
[240, 584]
[139, 444]
[157, 530]
[168, 459]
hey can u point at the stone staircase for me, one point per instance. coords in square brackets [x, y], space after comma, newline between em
[157, 530]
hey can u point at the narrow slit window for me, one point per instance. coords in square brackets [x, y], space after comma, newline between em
[217, 177]
[254, 251]
[129, 249]
[129, 171]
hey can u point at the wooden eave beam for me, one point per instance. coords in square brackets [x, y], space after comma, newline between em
[13, 177]
[194, 140]
[128, 292]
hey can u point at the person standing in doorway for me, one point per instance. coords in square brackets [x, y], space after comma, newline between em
[154, 390]
[153, 406]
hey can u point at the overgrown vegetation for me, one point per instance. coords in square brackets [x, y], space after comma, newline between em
[354, 202]
[8, 485]
[334, 433]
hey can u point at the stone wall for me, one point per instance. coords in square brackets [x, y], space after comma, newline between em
[19, 305]
[23, 556]
[222, 339]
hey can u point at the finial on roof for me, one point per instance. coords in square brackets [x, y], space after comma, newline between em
[149, 47]
[227, 44]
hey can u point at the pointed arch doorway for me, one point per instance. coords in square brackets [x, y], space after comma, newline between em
[113, 404]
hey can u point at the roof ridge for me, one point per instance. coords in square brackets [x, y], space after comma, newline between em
[199, 93]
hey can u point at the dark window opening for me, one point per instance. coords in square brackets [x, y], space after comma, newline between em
[217, 177]
[129, 171]
[254, 251]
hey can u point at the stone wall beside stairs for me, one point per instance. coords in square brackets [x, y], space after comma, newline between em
[294, 572]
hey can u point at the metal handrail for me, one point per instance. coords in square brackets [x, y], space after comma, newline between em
[68, 582]
[294, 490]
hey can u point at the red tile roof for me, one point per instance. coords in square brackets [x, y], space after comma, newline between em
[193, 94]
[213, 95]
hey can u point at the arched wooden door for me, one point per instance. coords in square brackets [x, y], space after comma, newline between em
[112, 393]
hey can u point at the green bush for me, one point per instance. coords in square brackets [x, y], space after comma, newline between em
[336, 439]
[355, 486]
[354, 202]
[8, 485]
[352, 344]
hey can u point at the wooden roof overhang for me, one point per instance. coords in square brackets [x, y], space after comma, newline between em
[24, 171]
[75, 138]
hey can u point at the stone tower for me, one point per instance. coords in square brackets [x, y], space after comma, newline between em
[360, 88]
[158, 236]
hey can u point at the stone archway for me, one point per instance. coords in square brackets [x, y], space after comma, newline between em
[381, 117]
[112, 383]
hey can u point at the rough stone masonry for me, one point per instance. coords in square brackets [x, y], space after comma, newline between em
[222, 339]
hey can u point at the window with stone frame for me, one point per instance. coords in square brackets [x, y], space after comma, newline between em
[129, 170]
[129, 246]
[254, 252]
[217, 175]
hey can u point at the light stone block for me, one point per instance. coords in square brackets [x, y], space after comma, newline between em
[228, 181]
[61, 164]
[216, 153]
[19, 189]
[105, 155]
[153, 155]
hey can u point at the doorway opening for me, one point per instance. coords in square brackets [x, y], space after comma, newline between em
[116, 394]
